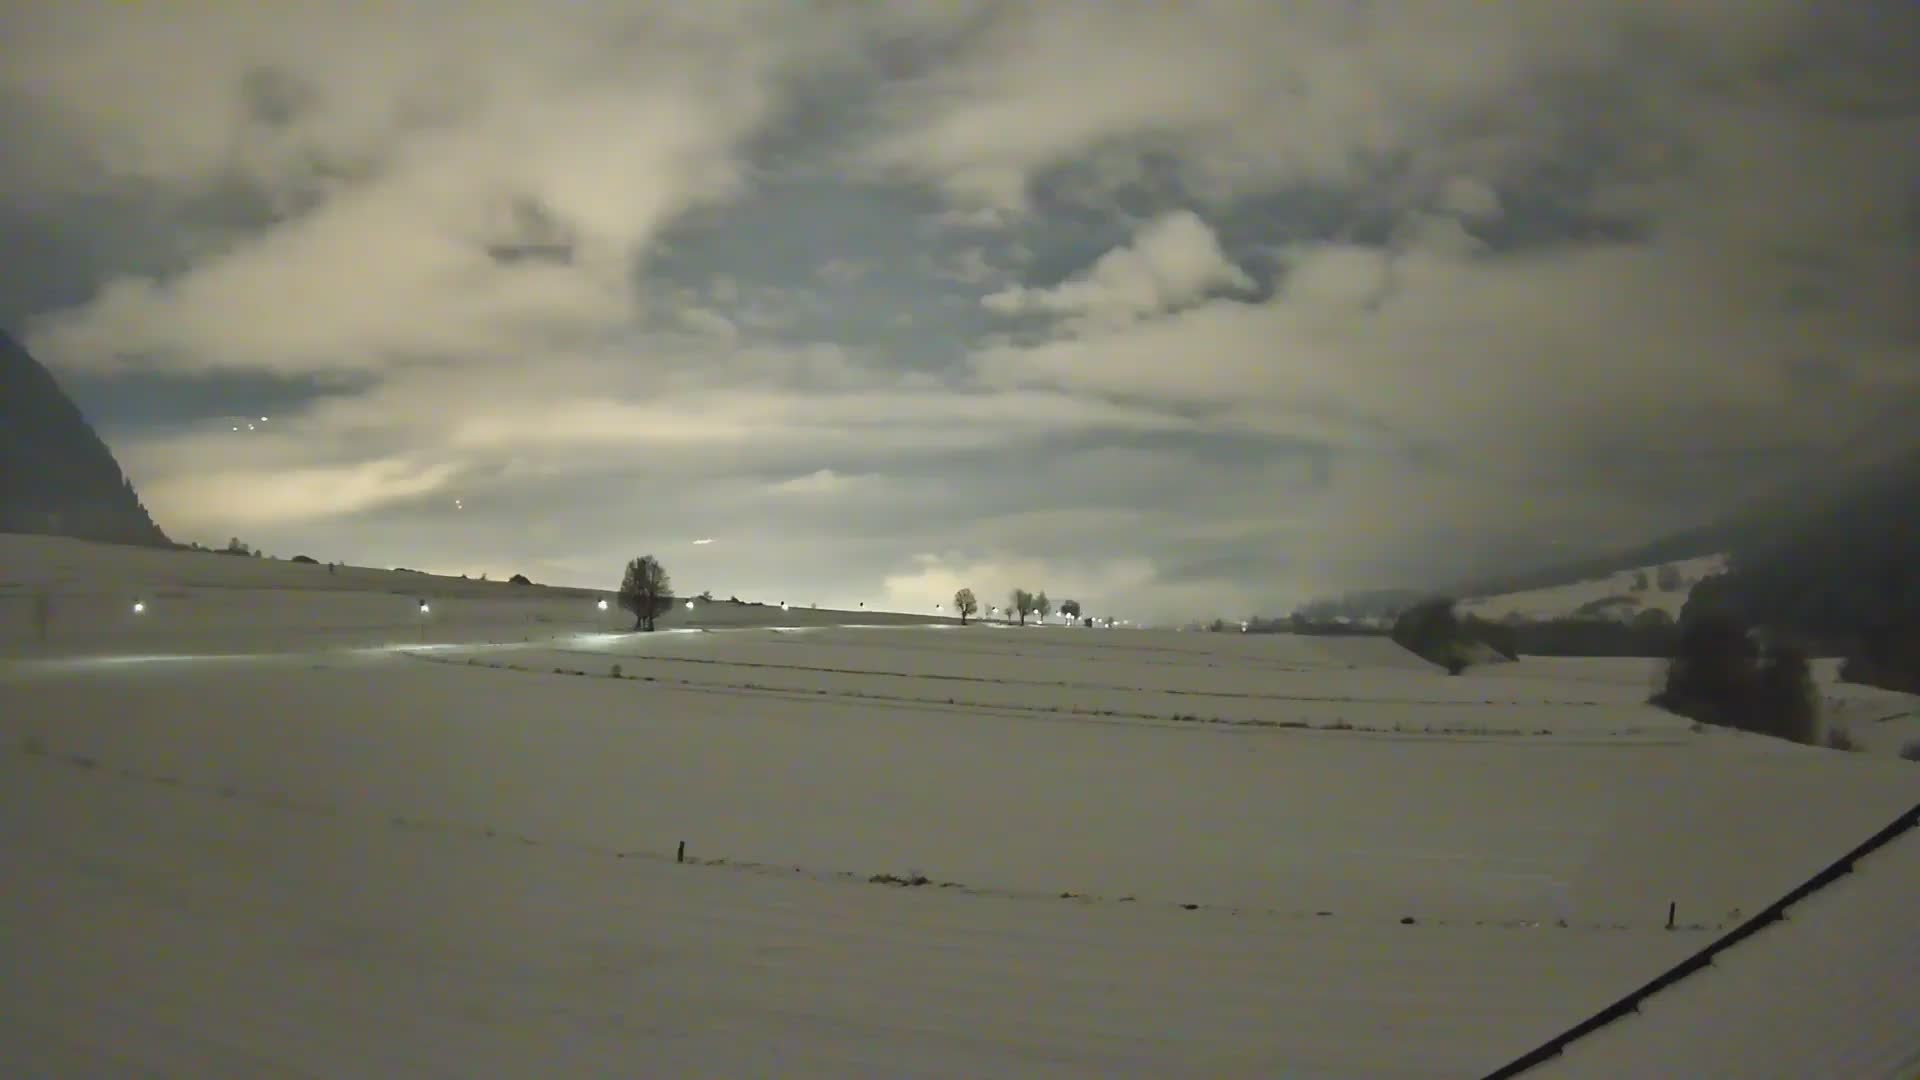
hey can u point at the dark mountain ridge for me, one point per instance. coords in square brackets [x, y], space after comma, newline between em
[56, 475]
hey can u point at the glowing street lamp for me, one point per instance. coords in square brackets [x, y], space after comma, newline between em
[689, 605]
[602, 605]
[139, 606]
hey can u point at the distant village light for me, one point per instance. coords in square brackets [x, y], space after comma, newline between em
[139, 606]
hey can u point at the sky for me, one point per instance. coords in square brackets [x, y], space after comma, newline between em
[1178, 309]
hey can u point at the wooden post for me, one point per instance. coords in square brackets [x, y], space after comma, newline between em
[1670, 907]
[681, 855]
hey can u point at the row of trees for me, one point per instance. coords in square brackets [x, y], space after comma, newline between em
[1020, 603]
[646, 592]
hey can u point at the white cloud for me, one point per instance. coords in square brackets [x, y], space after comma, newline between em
[1172, 261]
[1510, 244]
[1250, 95]
[817, 483]
[844, 271]
[1470, 198]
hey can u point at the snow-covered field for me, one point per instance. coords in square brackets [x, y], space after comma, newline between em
[1562, 601]
[269, 827]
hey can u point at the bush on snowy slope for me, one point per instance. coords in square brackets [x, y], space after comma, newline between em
[1887, 657]
[1719, 675]
[1433, 631]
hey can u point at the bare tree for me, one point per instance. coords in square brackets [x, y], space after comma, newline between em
[646, 591]
[965, 604]
[1042, 606]
[1020, 602]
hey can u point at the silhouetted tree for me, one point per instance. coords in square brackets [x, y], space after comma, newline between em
[965, 604]
[646, 591]
[1070, 608]
[1429, 629]
[1718, 675]
[1041, 605]
[1669, 579]
[518, 579]
[1020, 602]
[1639, 581]
[1785, 703]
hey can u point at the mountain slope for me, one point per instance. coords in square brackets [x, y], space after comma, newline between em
[1870, 497]
[56, 475]
[1847, 564]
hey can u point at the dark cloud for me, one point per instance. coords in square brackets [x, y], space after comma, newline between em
[1186, 308]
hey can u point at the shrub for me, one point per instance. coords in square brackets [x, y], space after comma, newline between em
[1911, 751]
[308, 559]
[519, 579]
[1839, 738]
[1887, 657]
[1428, 629]
[1718, 676]
[1669, 579]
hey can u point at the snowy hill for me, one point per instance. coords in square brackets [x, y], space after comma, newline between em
[1620, 595]
[292, 826]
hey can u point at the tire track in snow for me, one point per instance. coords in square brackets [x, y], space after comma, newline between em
[1639, 736]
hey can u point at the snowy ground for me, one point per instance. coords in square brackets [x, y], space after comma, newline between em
[247, 845]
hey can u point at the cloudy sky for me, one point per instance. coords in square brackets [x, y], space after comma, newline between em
[1177, 308]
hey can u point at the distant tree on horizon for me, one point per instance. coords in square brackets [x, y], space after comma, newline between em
[965, 604]
[1042, 606]
[1020, 602]
[646, 591]
[1070, 608]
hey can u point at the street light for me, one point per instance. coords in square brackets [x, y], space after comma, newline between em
[689, 605]
[602, 605]
[139, 606]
